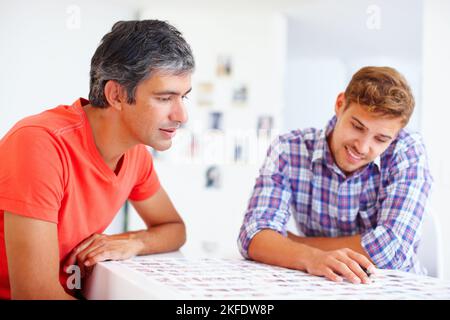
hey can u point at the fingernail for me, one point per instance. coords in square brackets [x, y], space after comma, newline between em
[356, 280]
[372, 270]
[87, 263]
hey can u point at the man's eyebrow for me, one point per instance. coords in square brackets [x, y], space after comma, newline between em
[362, 124]
[169, 92]
[385, 136]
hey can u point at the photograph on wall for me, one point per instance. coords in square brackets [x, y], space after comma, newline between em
[213, 177]
[264, 126]
[224, 65]
[240, 95]
[240, 154]
[193, 146]
[238, 150]
[205, 94]
[216, 121]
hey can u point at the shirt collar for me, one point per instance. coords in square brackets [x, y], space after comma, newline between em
[377, 162]
[80, 102]
[322, 151]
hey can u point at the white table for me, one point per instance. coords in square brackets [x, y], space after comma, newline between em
[173, 276]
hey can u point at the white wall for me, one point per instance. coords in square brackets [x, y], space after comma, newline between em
[436, 112]
[311, 89]
[45, 54]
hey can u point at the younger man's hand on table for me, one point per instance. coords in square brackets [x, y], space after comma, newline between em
[338, 264]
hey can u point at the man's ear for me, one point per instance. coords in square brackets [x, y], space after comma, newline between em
[340, 103]
[114, 94]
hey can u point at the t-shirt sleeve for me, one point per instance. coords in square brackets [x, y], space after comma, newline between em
[31, 174]
[147, 182]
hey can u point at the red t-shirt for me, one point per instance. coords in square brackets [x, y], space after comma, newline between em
[51, 170]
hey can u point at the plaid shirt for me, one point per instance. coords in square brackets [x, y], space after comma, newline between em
[383, 201]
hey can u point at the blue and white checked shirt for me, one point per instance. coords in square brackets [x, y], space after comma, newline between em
[384, 201]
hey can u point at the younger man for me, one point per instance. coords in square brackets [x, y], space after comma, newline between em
[357, 189]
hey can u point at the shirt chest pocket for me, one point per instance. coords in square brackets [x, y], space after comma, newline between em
[367, 214]
[361, 214]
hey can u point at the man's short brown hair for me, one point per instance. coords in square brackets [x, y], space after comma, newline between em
[382, 90]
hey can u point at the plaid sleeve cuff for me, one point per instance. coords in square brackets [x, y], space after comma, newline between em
[384, 248]
[373, 246]
[250, 229]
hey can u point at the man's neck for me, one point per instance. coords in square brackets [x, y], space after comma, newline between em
[110, 138]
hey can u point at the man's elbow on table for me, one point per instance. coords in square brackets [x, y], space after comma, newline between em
[395, 254]
[182, 236]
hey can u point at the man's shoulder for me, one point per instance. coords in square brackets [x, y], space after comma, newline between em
[55, 121]
[407, 147]
[301, 135]
[46, 129]
[406, 141]
[296, 139]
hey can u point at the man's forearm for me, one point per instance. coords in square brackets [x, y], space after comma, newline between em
[329, 244]
[163, 238]
[268, 246]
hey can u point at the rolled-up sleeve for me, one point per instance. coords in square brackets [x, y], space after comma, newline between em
[268, 207]
[394, 240]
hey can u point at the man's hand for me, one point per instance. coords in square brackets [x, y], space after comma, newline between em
[165, 232]
[269, 246]
[339, 263]
[332, 243]
[100, 247]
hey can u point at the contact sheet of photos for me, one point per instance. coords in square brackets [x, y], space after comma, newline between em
[209, 278]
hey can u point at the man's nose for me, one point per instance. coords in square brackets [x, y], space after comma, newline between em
[179, 112]
[363, 145]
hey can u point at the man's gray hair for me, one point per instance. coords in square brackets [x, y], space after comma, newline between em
[132, 52]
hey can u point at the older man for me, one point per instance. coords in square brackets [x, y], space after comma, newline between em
[68, 170]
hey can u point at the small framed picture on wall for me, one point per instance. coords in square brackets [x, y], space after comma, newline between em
[224, 65]
[264, 126]
[213, 178]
